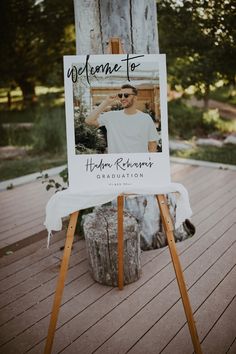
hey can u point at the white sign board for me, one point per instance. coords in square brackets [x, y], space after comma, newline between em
[116, 120]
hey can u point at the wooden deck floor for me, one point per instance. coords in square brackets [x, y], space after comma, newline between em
[147, 316]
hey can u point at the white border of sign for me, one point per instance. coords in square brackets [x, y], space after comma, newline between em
[116, 173]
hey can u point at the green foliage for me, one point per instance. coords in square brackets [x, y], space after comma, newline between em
[184, 121]
[29, 164]
[88, 139]
[51, 183]
[49, 131]
[198, 37]
[225, 154]
[64, 175]
[4, 139]
[224, 94]
[34, 37]
[211, 118]
[26, 115]
[15, 135]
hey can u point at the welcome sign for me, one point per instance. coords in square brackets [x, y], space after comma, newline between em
[116, 120]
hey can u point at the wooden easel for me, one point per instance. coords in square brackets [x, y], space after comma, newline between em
[115, 47]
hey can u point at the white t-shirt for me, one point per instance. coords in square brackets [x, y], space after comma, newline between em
[128, 133]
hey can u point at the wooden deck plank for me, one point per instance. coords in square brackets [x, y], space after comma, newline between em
[196, 196]
[17, 221]
[20, 304]
[232, 348]
[223, 333]
[181, 172]
[12, 194]
[88, 317]
[170, 324]
[30, 255]
[207, 199]
[96, 317]
[153, 310]
[50, 268]
[207, 314]
[23, 207]
[199, 187]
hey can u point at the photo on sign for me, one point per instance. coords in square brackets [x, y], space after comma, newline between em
[114, 115]
[116, 118]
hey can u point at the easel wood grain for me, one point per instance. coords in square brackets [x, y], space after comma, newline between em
[120, 231]
[169, 228]
[61, 281]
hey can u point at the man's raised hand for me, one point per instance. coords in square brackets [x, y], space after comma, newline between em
[111, 99]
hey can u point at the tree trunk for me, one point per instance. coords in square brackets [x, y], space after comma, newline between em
[133, 21]
[206, 96]
[28, 90]
[100, 231]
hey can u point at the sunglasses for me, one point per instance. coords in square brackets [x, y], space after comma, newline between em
[126, 95]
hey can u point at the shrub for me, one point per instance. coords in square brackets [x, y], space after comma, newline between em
[211, 119]
[184, 121]
[49, 131]
[88, 139]
[13, 134]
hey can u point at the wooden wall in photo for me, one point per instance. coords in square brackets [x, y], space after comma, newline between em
[148, 97]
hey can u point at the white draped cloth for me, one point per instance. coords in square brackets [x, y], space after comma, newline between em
[61, 204]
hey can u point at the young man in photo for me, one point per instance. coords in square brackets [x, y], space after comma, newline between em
[128, 130]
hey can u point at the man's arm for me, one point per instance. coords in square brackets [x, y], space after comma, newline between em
[92, 118]
[152, 146]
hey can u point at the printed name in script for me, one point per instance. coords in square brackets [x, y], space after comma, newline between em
[120, 164]
[107, 68]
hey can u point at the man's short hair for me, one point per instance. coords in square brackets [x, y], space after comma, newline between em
[135, 91]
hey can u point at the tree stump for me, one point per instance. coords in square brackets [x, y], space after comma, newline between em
[100, 230]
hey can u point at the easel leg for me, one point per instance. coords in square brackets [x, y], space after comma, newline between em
[168, 226]
[61, 282]
[120, 207]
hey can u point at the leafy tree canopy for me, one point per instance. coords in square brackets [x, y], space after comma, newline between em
[35, 36]
[198, 37]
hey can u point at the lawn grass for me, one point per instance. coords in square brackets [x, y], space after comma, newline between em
[225, 154]
[19, 113]
[30, 164]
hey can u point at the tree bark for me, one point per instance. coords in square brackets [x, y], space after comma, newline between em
[28, 90]
[100, 230]
[133, 21]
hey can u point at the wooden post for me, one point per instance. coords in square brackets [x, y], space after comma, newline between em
[120, 208]
[168, 226]
[114, 46]
[61, 282]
